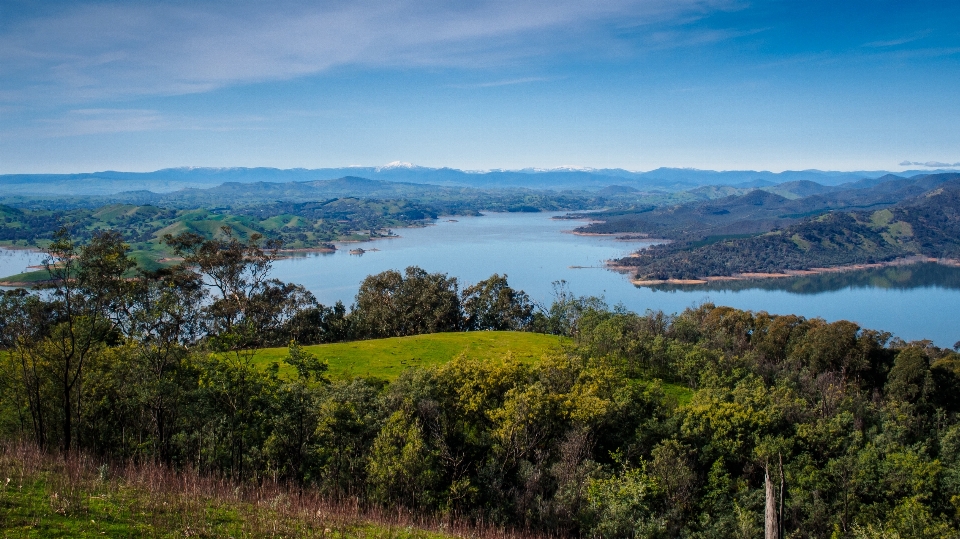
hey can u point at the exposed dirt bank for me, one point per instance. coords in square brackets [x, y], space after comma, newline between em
[789, 273]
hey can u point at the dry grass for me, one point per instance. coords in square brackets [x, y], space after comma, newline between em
[49, 495]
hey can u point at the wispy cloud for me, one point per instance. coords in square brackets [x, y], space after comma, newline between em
[108, 50]
[498, 83]
[101, 121]
[931, 164]
[693, 38]
[897, 41]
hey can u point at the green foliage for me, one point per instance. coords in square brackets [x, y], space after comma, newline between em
[646, 425]
[622, 506]
[492, 305]
[393, 305]
[308, 366]
[402, 468]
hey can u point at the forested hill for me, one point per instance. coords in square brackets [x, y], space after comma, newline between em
[927, 225]
[730, 211]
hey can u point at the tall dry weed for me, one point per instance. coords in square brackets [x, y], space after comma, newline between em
[183, 499]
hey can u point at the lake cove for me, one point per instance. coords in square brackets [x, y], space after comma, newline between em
[16, 261]
[915, 302]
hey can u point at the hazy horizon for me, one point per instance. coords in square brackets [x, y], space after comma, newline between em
[915, 167]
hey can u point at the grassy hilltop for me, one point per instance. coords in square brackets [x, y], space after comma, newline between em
[386, 358]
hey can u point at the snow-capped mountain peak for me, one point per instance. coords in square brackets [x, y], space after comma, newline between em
[397, 164]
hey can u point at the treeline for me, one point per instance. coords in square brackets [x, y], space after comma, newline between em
[220, 302]
[859, 428]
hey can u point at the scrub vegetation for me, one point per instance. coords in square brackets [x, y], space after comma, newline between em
[119, 394]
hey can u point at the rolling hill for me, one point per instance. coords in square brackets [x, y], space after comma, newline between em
[925, 226]
[754, 211]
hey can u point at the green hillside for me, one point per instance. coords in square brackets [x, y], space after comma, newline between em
[386, 358]
[926, 226]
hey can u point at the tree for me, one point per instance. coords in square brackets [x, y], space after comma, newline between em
[87, 286]
[296, 415]
[237, 273]
[24, 321]
[393, 305]
[492, 305]
[910, 379]
[163, 319]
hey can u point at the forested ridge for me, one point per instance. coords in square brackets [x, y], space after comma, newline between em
[927, 225]
[298, 225]
[719, 211]
[860, 428]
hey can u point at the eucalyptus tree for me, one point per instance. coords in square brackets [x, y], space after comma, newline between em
[24, 321]
[86, 289]
[162, 320]
[391, 304]
[492, 304]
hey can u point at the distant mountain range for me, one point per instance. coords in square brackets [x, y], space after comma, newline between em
[661, 179]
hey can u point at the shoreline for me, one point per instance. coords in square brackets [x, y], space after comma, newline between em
[21, 248]
[308, 250]
[18, 284]
[952, 262]
[619, 236]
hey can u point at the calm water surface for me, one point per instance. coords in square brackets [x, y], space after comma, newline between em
[14, 261]
[916, 302]
[920, 302]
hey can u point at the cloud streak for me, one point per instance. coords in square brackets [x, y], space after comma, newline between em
[499, 83]
[98, 121]
[931, 164]
[112, 50]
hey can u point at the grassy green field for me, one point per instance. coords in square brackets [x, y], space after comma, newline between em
[386, 358]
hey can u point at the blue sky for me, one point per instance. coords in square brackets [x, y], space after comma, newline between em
[845, 85]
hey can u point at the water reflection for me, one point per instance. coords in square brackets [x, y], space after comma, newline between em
[922, 275]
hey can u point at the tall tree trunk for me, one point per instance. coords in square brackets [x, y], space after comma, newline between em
[771, 528]
[783, 484]
[67, 411]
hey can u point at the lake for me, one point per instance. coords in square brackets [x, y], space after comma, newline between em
[14, 261]
[914, 302]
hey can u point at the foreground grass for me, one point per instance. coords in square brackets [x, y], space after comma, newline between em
[387, 358]
[43, 495]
